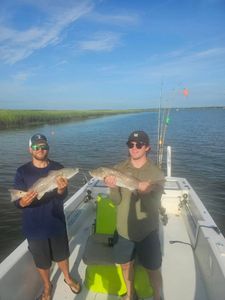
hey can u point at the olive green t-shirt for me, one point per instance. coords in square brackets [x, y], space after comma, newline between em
[137, 214]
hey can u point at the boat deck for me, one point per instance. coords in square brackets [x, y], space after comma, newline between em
[181, 277]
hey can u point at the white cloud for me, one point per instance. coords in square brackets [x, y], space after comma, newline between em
[21, 76]
[20, 44]
[213, 52]
[16, 45]
[104, 41]
[182, 68]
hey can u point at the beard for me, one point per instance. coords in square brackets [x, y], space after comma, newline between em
[40, 156]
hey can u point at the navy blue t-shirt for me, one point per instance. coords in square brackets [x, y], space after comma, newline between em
[44, 218]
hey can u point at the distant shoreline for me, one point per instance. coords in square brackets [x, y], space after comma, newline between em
[10, 118]
[22, 118]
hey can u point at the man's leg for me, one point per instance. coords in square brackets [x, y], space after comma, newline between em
[45, 276]
[60, 254]
[123, 250]
[128, 275]
[41, 255]
[149, 252]
[156, 281]
[64, 267]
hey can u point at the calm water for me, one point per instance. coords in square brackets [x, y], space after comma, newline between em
[197, 140]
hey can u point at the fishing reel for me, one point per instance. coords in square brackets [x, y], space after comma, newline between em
[88, 196]
[183, 201]
[163, 215]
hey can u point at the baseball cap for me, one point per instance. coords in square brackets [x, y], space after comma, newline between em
[38, 138]
[139, 136]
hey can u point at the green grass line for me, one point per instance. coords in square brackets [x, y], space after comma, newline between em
[22, 118]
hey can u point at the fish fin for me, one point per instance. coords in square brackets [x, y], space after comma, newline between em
[16, 194]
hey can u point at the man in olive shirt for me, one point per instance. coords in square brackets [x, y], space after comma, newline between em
[138, 215]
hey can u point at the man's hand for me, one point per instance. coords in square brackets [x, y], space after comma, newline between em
[28, 199]
[110, 181]
[145, 187]
[62, 184]
[148, 186]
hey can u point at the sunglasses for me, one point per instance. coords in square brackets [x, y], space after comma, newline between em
[138, 145]
[40, 147]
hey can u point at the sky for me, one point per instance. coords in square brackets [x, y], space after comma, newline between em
[111, 54]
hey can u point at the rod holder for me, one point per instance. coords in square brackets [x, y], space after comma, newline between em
[168, 161]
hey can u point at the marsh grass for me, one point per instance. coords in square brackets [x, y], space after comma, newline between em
[22, 118]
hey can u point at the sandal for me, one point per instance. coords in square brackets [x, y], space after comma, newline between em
[75, 287]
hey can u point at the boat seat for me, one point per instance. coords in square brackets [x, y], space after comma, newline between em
[102, 274]
[105, 215]
[97, 250]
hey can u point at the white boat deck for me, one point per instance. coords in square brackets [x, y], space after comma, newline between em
[193, 268]
[181, 278]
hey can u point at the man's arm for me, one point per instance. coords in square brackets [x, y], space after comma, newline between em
[20, 185]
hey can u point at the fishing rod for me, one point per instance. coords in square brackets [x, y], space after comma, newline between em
[164, 121]
[159, 124]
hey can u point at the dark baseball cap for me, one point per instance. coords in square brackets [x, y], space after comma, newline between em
[139, 136]
[38, 138]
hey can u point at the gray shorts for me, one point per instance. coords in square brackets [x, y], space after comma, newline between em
[148, 251]
[48, 250]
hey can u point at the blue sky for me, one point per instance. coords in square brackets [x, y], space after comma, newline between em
[111, 54]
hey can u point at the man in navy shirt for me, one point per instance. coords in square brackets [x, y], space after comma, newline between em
[43, 221]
